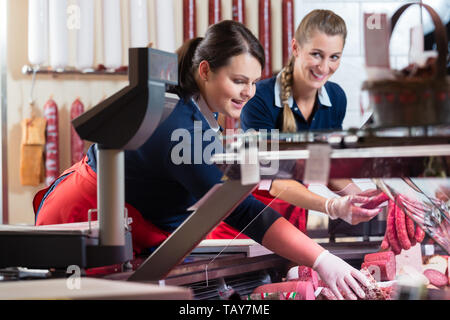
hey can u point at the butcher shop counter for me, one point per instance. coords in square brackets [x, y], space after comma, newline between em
[241, 264]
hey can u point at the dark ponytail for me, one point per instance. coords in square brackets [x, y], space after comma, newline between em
[222, 41]
[186, 81]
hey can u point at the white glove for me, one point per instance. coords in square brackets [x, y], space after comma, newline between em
[340, 276]
[346, 208]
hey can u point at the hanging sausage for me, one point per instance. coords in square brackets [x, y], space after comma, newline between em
[76, 143]
[189, 24]
[265, 35]
[165, 33]
[58, 34]
[37, 32]
[215, 13]
[238, 11]
[85, 36]
[138, 24]
[51, 142]
[112, 34]
[288, 29]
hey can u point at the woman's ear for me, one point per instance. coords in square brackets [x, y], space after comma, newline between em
[204, 70]
[295, 47]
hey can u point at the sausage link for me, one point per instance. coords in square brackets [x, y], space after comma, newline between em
[420, 234]
[238, 11]
[400, 224]
[215, 14]
[391, 230]
[76, 143]
[52, 142]
[265, 34]
[410, 228]
[288, 29]
[189, 21]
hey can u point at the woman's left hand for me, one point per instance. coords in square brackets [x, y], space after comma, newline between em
[349, 209]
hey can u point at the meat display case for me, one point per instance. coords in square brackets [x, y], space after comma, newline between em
[397, 154]
[409, 161]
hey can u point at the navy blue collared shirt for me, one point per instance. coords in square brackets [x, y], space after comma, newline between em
[264, 110]
[163, 189]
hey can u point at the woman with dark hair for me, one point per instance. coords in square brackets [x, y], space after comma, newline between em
[217, 74]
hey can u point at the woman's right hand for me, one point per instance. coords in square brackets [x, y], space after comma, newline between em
[340, 276]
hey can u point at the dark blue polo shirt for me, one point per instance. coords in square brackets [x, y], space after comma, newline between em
[264, 110]
[162, 190]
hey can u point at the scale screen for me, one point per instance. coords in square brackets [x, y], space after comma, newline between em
[163, 66]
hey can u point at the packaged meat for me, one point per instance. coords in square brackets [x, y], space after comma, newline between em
[381, 270]
[215, 12]
[386, 255]
[189, 20]
[52, 142]
[382, 265]
[58, 34]
[238, 11]
[288, 28]
[303, 289]
[38, 24]
[76, 143]
[264, 296]
[265, 35]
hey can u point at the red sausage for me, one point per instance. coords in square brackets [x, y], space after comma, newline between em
[376, 201]
[215, 14]
[400, 224]
[410, 228]
[419, 234]
[52, 142]
[238, 8]
[288, 29]
[391, 230]
[384, 243]
[265, 35]
[189, 22]
[76, 143]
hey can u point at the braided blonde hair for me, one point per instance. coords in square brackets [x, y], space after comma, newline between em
[287, 78]
[325, 21]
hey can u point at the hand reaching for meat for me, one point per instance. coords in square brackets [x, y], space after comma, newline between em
[347, 209]
[340, 276]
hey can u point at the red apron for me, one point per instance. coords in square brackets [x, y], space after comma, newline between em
[295, 215]
[71, 199]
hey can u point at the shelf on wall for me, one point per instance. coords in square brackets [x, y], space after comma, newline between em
[100, 70]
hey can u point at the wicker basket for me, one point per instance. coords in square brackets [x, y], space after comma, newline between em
[413, 101]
